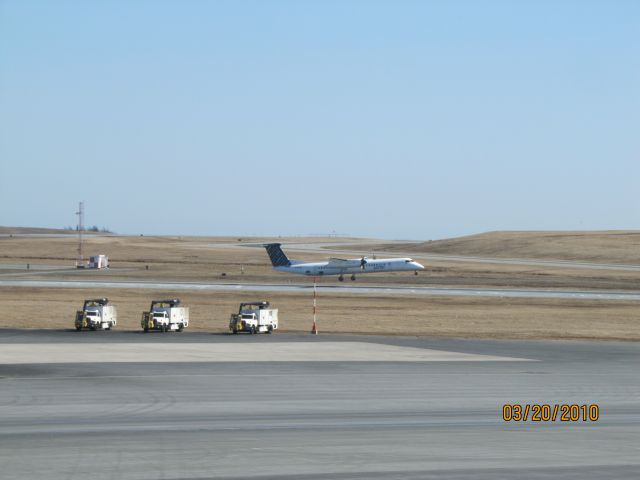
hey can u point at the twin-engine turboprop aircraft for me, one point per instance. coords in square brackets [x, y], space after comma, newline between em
[339, 266]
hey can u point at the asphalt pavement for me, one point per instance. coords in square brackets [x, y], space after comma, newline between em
[332, 289]
[319, 419]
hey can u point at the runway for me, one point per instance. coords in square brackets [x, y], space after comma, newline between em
[323, 419]
[333, 248]
[333, 289]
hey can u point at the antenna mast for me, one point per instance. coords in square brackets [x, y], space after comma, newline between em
[80, 213]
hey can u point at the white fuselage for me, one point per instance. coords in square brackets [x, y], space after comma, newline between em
[353, 266]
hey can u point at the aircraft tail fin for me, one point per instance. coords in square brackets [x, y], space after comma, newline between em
[277, 256]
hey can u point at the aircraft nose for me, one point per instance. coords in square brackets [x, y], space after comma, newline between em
[418, 266]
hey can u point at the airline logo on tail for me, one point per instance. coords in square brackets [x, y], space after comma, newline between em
[277, 256]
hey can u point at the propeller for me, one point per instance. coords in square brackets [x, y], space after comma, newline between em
[363, 262]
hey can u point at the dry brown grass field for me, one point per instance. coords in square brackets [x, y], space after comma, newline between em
[201, 259]
[618, 246]
[31, 230]
[52, 308]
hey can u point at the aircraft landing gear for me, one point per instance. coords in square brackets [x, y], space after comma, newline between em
[353, 277]
[341, 278]
[415, 272]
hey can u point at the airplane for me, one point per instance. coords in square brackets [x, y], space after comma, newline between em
[338, 266]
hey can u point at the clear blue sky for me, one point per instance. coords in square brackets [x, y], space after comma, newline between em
[391, 119]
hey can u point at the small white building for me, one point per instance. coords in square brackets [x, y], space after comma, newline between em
[99, 261]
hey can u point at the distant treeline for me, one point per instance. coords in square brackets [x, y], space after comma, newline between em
[94, 229]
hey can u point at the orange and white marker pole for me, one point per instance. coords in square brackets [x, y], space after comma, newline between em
[314, 327]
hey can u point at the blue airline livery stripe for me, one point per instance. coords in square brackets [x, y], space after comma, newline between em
[277, 256]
